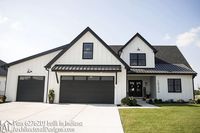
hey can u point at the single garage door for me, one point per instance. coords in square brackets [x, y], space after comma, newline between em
[87, 89]
[30, 88]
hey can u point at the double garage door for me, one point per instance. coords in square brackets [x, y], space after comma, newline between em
[73, 89]
[87, 89]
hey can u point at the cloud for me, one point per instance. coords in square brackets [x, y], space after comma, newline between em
[3, 19]
[167, 37]
[192, 37]
[16, 26]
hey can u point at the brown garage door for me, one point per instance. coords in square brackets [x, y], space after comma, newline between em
[30, 88]
[87, 89]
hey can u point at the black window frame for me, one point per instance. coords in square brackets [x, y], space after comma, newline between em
[84, 50]
[137, 59]
[174, 86]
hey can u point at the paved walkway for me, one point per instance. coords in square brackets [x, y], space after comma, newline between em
[142, 104]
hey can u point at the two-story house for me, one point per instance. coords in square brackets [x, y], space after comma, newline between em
[87, 70]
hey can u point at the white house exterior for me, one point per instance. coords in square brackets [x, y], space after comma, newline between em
[2, 78]
[87, 70]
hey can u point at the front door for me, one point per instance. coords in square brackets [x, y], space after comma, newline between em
[135, 88]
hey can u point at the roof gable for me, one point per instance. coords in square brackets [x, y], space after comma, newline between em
[145, 41]
[164, 55]
[76, 39]
[37, 55]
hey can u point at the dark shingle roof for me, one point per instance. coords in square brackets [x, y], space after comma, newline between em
[164, 68]
[88, 68]
[170, 54]
[164, 55]
[38, 55]
[3, 72]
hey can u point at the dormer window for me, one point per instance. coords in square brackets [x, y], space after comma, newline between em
[87, 51]
[137, 59]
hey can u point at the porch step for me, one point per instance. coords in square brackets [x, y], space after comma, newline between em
[143, 103]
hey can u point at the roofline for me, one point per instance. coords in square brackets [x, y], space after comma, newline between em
[142, 38]
[36, 55]
[76, 39]
[193, 74]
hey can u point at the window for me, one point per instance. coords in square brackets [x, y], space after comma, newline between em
[107, 78]
[67, 77]
[80, 78]
[93, 78]
[137, 59]
[87, 50]
[174, 85]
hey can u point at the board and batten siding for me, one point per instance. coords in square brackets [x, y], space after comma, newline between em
[36, 65]
[101, 56]
[162, 87]
[133, 47]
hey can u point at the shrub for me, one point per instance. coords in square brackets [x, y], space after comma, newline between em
[155, 100]
[180, 101]
[150, 101]
[191, 101]
[160, 100]
[130, 101]
[2, 99]
[198, 101]
[125, 101]
[170, 101]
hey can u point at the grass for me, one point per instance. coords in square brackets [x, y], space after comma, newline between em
[170, 118]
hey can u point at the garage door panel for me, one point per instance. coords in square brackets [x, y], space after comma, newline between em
[86, 91]
[30, 88]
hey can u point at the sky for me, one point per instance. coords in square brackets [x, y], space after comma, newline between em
[28, 27]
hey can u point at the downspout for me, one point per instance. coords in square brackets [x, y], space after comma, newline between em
[193, 87]
[47, 84]
[6, 83]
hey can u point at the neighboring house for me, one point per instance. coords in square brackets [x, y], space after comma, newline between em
[87, 70]
[2, 77]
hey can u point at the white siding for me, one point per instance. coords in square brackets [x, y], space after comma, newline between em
[162, 87]
[144, 48]
[2, 84]
[36, 65]
[101, 56]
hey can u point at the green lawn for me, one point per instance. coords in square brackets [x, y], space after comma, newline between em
[170, 118]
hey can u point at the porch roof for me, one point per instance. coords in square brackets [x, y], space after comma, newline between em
[163, 69]
[89, 68]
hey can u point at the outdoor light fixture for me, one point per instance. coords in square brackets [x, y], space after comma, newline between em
[29, 71]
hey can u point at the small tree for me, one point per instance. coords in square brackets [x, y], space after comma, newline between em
[51, 96]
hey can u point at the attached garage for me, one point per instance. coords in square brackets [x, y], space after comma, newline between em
[30, 88]
[87, 89]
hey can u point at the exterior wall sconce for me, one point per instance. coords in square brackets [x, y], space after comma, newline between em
[138, 49]
[29, 71]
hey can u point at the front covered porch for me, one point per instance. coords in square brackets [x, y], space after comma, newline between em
[141, 86]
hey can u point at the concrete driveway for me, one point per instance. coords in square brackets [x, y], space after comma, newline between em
[76, 118]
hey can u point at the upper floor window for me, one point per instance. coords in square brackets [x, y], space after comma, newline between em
[174, 85]
[137, 59]
[87, 51]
